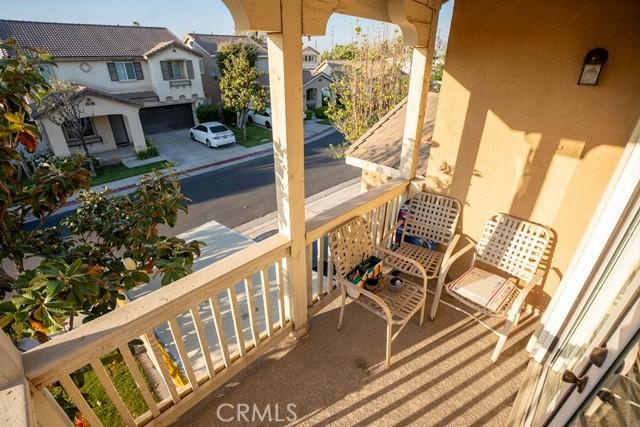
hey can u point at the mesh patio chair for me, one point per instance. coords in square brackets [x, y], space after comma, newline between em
[430, 217]
[350, 245]
[513, 248]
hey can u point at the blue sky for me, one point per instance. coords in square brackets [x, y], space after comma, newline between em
[203, 16]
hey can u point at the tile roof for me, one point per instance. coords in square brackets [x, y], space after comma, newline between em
[310, 48]
[309, 75]
[165, 45]
[81, 91]
[382, 143]
[65, 40]
[210, 42]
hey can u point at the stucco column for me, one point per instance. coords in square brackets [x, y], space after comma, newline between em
[57, 141]
[134, 129]
[419, 81]
[285, 81]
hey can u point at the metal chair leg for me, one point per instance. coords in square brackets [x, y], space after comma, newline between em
[388, 354]
[436, 297]
[502, 339]
[342, 304]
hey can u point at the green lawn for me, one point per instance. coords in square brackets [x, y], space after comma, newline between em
[97, 397]
[256, 135]
[119, 172]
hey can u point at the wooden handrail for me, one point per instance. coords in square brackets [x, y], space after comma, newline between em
[73, 350]
[332, 218]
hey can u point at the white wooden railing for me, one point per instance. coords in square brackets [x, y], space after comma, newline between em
[196, 320]
[202, 329]
[379, 205]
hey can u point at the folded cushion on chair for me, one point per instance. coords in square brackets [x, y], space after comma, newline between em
[485, 289]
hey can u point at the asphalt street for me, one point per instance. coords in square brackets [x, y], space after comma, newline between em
[237, 194]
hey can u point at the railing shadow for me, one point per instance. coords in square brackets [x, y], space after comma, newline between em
[440, 369]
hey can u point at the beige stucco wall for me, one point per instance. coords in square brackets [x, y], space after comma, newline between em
[169, 94]
[522, 136]
[97, 76]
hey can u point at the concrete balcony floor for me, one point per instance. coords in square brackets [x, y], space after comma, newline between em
[441, 374]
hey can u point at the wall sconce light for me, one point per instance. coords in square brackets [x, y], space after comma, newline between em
[592, 66]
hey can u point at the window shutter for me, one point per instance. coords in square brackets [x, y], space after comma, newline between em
[189, 69]
[138, 68]
[165, 70]
[112, 71]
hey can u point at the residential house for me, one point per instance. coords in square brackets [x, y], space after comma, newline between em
[207, 45]
[513, 133]
[332, 66]
[315, 88]
[310, 58]
[133, 80]
[316, 81]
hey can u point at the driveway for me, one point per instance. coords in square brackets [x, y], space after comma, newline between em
[176, 147]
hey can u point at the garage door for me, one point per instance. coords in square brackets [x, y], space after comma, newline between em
[166, 118]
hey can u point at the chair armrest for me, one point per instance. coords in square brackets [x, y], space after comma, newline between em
[369, 295]
[450, 257]
[404, 258]
[391, 232]
[450, 248]
[517, 303]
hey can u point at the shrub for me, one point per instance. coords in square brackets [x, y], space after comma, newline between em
[321, 112]
[151, 151]
[308, 115]
[229, 116]
[207, 113]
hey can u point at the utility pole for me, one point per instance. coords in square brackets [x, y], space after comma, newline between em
[332, 30]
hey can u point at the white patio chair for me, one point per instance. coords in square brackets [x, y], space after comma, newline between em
[350, 245]
[512, 247]
[433, 217]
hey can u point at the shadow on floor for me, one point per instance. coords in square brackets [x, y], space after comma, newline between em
[441, 374]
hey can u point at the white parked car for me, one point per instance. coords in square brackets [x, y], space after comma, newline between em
[262, 118]
[212, 134]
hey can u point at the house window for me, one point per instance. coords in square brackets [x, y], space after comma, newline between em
[125, 71]
[309, 58]
[201, 65]
[86, 125]
[46, 70]
[172, 70]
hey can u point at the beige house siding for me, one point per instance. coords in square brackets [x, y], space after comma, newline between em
[521, 135]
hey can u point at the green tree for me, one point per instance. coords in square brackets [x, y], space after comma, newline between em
[340, 51]
[46, 279]
[239, 84]
[235, 49]
[367, 88]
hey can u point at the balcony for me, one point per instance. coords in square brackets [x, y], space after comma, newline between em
[258, 328]
[231, 314]
[180, 83]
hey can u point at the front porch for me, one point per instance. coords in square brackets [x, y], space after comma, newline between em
[110, 122]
